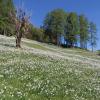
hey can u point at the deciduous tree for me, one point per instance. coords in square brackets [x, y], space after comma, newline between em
[72, 28]
[54, 24]
[93, 35]
[84, 31]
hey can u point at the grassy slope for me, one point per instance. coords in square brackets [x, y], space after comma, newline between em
[45, 72]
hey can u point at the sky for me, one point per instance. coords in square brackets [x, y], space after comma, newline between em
[39, 9]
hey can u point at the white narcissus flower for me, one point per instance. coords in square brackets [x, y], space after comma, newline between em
[50, 72]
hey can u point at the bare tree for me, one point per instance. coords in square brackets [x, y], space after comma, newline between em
[21, 21]
[21, 25]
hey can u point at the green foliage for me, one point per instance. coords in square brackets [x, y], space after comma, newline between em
[6, 25]
[70, 25]
[72, 28]
[6, 6]
[6, 28]
[75, 28]
[54, 23]
[37, 33]
[84, 31]
[93, 35]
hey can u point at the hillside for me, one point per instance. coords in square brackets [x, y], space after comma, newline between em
[40, 71]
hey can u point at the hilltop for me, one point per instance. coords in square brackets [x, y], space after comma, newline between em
[40, 71]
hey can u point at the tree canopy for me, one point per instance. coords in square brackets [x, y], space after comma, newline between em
[73, 27]
[6, 25]
[54, 24]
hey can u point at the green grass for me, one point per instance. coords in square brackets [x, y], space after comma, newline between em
[42, 78]
[37, 46]
[25, 75]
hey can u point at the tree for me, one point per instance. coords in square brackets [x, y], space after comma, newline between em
[84, 31]
[54, 24]
[93, 35]
[2, 25]
[6, 26]
[21, 25]
[37, 33]
[72, 28]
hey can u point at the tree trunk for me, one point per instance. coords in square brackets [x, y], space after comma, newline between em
[81, 43]
[72, 45]
[4, 33]
[85, 45]
[58, 39]
[18, 39]
[18, 42]
[92, 42]
[92, 48]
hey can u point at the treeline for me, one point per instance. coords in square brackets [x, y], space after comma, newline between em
[75, 29]
[60, 28]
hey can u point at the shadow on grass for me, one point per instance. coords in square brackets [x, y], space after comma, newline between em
[37, 46]
[8, 45]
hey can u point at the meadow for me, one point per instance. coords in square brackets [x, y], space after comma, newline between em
[40, 71]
